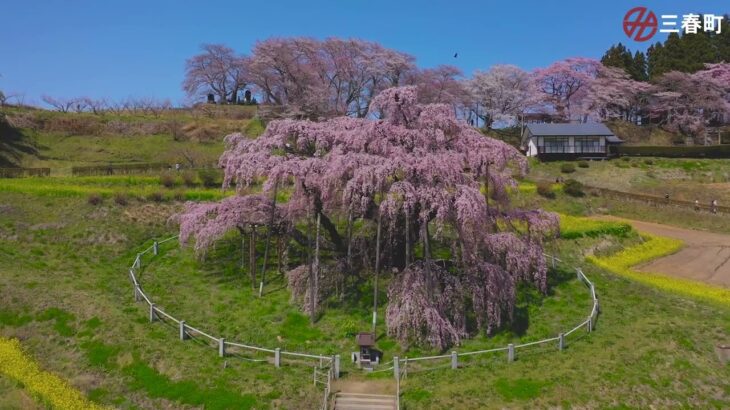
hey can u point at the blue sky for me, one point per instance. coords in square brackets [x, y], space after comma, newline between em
[118, 49]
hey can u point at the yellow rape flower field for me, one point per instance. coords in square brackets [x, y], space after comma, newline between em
[50, 388]
[654, 247]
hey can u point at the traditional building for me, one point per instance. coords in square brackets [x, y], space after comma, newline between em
[568, 141]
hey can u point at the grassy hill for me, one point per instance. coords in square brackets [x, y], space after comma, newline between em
[193, 137]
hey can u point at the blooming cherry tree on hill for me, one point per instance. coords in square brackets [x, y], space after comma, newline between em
[369, 196]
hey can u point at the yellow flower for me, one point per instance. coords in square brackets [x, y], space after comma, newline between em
[53, 390]
[652, 248]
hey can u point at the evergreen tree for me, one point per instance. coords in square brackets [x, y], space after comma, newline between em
[686, 53]
[656, 57]
[721, 42]
[618, 56]
[638, 69]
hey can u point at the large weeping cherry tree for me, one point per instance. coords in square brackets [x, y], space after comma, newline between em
[416, 194]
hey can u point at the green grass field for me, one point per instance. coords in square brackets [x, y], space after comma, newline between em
[71, 304]
[68, 299]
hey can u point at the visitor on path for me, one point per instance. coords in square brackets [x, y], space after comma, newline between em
[713, 206]
[697, 204]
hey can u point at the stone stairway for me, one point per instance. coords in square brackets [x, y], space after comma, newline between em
[361, 401]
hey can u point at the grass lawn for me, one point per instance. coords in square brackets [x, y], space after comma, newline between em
[684, 179]
[61, 152]
[69, 300]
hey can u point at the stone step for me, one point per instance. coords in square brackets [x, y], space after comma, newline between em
[362, 401]
[353, 406]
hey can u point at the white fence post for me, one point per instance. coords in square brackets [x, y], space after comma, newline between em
[589, 325]
[314, 376]
[221, 347]
[561, 341]
[183, 334]
[396, 368]
[153, 313]
[277, 357]
[155, 248]
[510, 352]
[454, 360]
[138, 261]
[337, 366]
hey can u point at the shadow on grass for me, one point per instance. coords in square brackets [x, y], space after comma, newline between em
[13, 144]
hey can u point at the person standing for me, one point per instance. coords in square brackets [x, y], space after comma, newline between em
[713, 206]
[697, 205]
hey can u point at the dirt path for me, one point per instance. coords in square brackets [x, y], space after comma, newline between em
[705, 256]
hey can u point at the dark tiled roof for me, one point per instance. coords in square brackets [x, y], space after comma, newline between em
[569, 129]
[365, 339]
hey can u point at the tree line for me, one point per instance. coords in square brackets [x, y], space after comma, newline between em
[686, 53]
[334, 77]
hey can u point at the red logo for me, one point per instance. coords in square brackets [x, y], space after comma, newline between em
[640, 24]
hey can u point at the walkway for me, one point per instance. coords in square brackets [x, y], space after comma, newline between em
[705, 256]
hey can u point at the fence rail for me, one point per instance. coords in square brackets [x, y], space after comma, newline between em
[24, 172]
[656, 200]
[329, 366]
[187, 331]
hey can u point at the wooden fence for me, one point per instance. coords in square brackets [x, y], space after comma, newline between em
[119, 169]
[655, 200]
[328, 367]
[24, 172]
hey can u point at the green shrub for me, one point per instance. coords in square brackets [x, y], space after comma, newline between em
[349, 327]
[573, 188]
[583, 164]
[567, 168]
[179, 196]
[648, 162]
[210, 177]
[95, 199]
[625, 159]
[545, 189]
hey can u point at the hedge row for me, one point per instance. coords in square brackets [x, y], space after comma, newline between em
[698, 151]
[118, 169]
[24, 172]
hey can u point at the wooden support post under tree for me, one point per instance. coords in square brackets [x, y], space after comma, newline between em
[269, 228]
[316, 263]
[349, 251]
[427, 256]
[243, 249]
[309, 266]
[377, 274]
[408, 239]
[252, 256]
